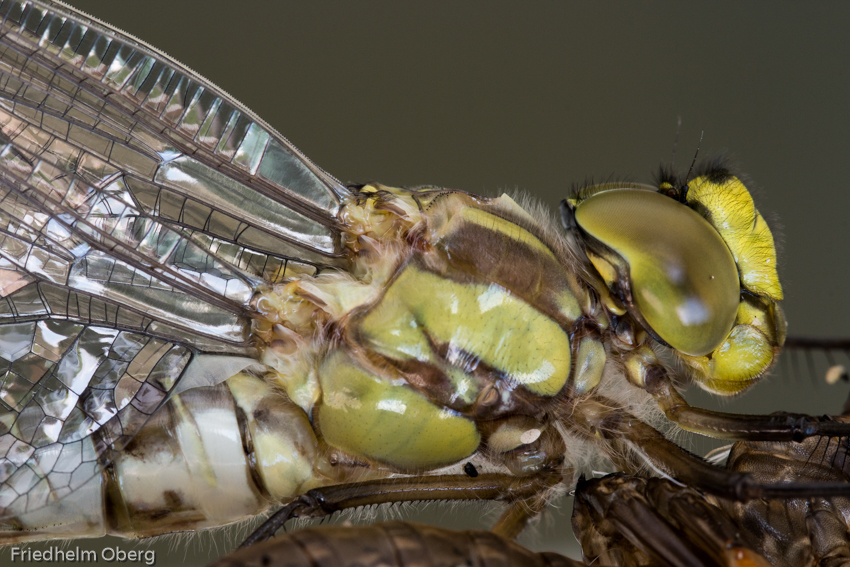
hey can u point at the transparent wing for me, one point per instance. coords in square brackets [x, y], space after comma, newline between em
[140, 208]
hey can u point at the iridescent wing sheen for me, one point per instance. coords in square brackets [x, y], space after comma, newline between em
[140, 208]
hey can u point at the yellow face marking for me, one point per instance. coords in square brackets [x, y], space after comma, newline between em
[755, 313]
[373, 418]
[735, 365]
[480, 320]
[735, 217]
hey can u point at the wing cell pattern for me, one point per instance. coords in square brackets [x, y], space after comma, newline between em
[70, 395]
[141, 208]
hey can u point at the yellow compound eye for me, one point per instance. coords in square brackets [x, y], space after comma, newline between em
[683, 279]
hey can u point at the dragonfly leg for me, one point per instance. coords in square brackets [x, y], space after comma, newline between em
[499, 487]
[738, 427]
[625, 431]
[621, 516]
[391, 544]
[518, 514]
[646, 519]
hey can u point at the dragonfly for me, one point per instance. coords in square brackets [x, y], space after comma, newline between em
[278, 169]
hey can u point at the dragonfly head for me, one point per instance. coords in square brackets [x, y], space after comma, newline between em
[693, 263]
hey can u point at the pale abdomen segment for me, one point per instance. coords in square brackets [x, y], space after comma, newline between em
[211, 456]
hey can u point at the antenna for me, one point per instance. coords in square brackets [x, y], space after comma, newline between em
[684, 192]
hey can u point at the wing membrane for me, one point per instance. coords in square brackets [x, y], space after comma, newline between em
[71, 395]
[140, 209]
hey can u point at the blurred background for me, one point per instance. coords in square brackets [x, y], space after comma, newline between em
[538, 96]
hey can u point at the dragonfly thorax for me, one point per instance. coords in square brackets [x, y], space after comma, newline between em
[462, 328]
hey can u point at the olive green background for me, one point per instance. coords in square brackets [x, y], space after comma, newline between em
[539, 96]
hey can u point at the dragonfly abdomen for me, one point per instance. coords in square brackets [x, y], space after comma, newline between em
[211, 456]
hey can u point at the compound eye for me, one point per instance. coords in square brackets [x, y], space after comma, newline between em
[683, 279]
